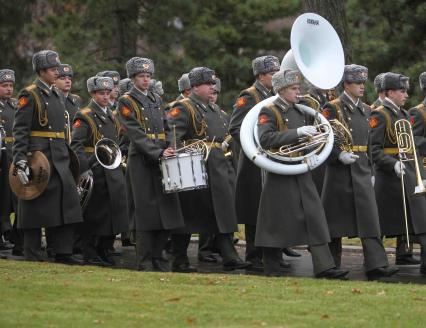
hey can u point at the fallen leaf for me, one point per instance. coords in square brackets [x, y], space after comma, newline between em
[174, 299]
[97, 321]
[325, 316]
[329, 292]
[190, 320]
[381, 293]
[356, 291]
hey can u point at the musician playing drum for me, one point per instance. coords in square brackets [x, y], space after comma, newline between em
[210, 210]
[348, 194]
[105, 214]
[153, 213]
[389, 170]
[290, 211]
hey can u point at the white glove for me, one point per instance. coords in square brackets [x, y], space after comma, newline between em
[307, 130]
[373, 180]
[225, 146]
[23, 171]
[399, 168]
[347, 158]
[87, 173]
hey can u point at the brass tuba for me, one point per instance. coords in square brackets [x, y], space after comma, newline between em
[318, 54]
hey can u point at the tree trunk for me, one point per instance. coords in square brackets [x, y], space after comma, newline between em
[334, 11]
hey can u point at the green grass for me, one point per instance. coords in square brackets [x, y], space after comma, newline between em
[49, 295]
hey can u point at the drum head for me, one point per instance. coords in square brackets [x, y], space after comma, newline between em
[39, 177]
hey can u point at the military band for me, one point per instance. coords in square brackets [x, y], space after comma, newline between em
[366, 190]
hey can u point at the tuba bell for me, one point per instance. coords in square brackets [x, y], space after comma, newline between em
[316, 51]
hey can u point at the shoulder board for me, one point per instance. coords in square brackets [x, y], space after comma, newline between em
[30, 87]
[85, 110]
[380, 108]
[420, 106]
[335, 102]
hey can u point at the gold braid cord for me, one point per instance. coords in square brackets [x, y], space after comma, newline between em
[203, 124]
[137, 111]
[281, 126]
[390, 129]
[253, 92]
[42, 114]
[95, 134]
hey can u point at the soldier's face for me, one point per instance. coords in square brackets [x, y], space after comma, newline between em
[114, 93]
[6, 90]
[64, 83]
[290, 94]
[266, 79]
[213, 97]
[355, 90]
[101, 97]
[141, 81]
[49, 75]
[399, 97]
[204, 91]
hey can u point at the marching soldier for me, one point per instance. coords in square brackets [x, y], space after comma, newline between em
[384, 152]
[124, 86]
[184, 87]
[113, 98]
[290, 209]
[418, 114]
[105, 215]
[348, 194]
[152, 213]
[39, 126]
[64, 84]
[209, 210]
[9, 202]
[249, 176]
[380, 92]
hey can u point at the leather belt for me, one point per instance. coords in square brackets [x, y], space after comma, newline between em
[48, 134]
[89, 149]
[359, 148]
[394, 151]
[9, 139]
[160, 136]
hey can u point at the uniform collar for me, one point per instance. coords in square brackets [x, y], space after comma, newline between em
[282, 104]
[262, 89]
[391, 105]
[140, 95]
[197, 99]
[101, 112]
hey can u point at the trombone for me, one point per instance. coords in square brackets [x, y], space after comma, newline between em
[406, 145]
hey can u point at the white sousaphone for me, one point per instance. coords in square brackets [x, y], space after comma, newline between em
[316, 51]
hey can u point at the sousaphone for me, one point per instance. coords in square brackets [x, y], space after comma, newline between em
[316, 51]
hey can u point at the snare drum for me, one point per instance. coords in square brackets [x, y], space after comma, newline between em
[185, 171]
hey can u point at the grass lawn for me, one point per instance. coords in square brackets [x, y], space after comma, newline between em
[49, 295]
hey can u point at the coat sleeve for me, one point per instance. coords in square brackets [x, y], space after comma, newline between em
[81, 135]
[269, 136]
[22, 126]
[240, 109]
[418, 125]
[136, 133]
[377, 135]
[178, 120]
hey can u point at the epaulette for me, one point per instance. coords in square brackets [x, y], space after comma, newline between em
[253, 92]
[85, 110]
[30, 87]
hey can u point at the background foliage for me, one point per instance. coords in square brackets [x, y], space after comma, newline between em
[384, 35]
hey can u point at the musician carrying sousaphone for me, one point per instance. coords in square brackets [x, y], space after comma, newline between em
[40, 174]
[397, 173]
[290, 211]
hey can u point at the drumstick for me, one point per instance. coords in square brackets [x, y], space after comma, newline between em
[174, 137]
